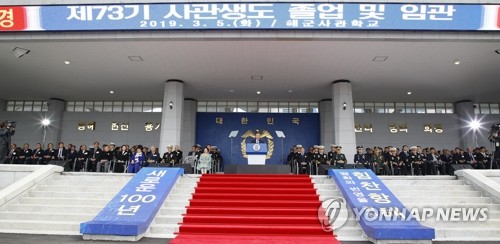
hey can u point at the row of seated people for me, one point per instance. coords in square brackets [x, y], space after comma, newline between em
[105, 159]
[393, 161]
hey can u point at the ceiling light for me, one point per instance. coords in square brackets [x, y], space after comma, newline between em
[45, 122]
[290, 91]
[380, 59]
[257, 77]
[409, 93]
[135, 58]
[67, 61]
[231, 91]
[497, 51]
[111, 92]
[456, 62]
[19, 52]
[475, 124]
[258, 92]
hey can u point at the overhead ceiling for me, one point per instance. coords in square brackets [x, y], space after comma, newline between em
[291, 69]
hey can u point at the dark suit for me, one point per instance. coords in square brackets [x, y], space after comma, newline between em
[95, 155]
[81, 158]
[61, 154]
[25, 156]
[303, 161]
[49, 154]
[37, 156]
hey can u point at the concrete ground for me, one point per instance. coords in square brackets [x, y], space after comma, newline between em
[56, 239]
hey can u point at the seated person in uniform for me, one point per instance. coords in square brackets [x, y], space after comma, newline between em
[104, 159]
[339, 158]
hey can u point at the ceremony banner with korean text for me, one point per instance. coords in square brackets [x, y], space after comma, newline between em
[252, 16]
[133, 209]
[381, 215]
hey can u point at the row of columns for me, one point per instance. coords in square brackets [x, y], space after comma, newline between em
[178, 122]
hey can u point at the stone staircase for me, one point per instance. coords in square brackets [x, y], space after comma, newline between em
[166, 222]
[351, 231]
[57, 205]
[427, 192]
[445, 192]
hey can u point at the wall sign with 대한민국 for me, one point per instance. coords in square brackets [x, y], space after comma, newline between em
[251, 16]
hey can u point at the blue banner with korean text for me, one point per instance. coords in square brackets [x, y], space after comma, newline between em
[381, 215]
[133, 209]
[265, 16]
[297, 128]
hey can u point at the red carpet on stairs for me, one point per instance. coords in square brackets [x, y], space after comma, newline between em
[253, 209]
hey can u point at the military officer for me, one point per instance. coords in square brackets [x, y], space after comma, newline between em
[360, 158]
[339, 158]
[331, 154]
[169, 156]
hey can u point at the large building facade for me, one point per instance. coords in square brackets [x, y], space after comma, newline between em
[323, 73]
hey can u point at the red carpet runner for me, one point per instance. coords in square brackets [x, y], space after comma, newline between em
[253, 209]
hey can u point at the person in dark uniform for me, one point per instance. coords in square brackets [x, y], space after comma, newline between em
[433, 163]
[14, 154]
[339, 158]
[104, 159]
[72, 155]
[331, 154]
[459, 156]
[392, 160]
[415, 160]
[482, 158]
[153, 156]
[315, 160]
[37, 154]
[6, 132]
[319, 158]
[50, 153]
[25, 155]
[379, 162]
[403, 158]
[446, 159]
[323, 155]
[303, 161]
[169, 156]
[81, 158]
[95, 154]
[370, 158]
[291, 159]
[360, 158]
[402, 165]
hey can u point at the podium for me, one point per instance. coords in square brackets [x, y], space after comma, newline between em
[256, 153]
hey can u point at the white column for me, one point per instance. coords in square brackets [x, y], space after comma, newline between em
[343, 118]
[54, 114]
[326, 122]
[189, 124]
[171, 120]
[465, 114]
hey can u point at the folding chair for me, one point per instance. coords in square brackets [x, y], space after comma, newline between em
[191, 160]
